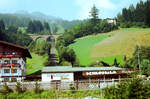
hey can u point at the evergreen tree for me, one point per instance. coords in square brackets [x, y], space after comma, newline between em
[55, 29]
[30, 27]
[67, 55]
[12, 29]
[94, 15]
[38, 26]
[140, 12]
[35, 26]
[138, 16]
[115, 63]
[2, 31]
[147, 12]
[125, 15]
[47, 27]
[2, 25]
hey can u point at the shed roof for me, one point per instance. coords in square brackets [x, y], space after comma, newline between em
[55, 69]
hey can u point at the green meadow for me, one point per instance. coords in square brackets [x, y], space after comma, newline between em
[83, 47]
[54, 94]
[108, 46]
[36, 63]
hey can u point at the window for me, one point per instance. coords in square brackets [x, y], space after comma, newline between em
[14, 61]
[6, 79]
[7, 61]
[6, 70]
[7, 53]
[14, 53]
[51, 76]
[14, 70]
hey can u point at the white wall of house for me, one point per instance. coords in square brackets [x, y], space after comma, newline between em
[10, 73]
[18, 73]
[111, 21]
[10, 79]
[63, 77]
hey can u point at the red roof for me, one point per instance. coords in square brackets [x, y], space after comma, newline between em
[26, 52]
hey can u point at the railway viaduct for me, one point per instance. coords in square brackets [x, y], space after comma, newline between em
[45, 37]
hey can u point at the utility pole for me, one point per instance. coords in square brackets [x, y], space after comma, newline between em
[139, 61]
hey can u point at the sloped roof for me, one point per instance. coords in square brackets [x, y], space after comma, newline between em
[55, 69]
[25, 50]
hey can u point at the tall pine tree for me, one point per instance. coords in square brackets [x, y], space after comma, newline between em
[2, 25]
[47, 27]
[94, 15]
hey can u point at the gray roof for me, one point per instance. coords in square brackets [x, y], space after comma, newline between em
[55, 69]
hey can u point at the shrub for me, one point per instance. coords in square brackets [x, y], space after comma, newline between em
[6, 89]
[72, 88]
[37, 88]
[19, 88]
[131, 89]
[47, 62]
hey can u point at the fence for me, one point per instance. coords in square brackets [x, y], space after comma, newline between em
[78, 85]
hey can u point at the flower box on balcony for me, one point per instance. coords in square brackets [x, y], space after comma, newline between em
[1, 56]
[9, 56]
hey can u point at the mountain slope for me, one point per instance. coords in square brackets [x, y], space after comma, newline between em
[22, 18]
[122, 42]
[108, 46]
[83, 47]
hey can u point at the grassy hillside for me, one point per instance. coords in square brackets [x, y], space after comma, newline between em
[122, 42]
[35, 63]
[83, 47]
[109, 46]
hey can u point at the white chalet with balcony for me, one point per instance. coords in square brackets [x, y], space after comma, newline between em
[12, 61]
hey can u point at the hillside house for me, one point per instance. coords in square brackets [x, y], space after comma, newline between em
[111, 20]
[12, 61]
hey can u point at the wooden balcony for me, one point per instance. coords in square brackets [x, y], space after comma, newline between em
[10, 56]
[9, 65]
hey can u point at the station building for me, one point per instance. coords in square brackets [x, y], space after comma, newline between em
[12, 61]
[69, 73]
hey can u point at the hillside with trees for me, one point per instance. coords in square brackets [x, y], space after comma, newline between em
[37, 27]
[118, 46]
[13, 35]
[22, 19]
[135, 16]
[92, 26]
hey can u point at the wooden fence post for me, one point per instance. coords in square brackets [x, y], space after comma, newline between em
[77, 84]
[56, 85]
[99, 84]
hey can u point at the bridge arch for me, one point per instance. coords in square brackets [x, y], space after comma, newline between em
[50, 38]
[38, 38]
[45, 37]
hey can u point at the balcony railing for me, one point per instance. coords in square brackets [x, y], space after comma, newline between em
[10, 56]
[9, 65]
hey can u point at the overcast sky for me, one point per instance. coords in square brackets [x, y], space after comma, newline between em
[67, 9]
